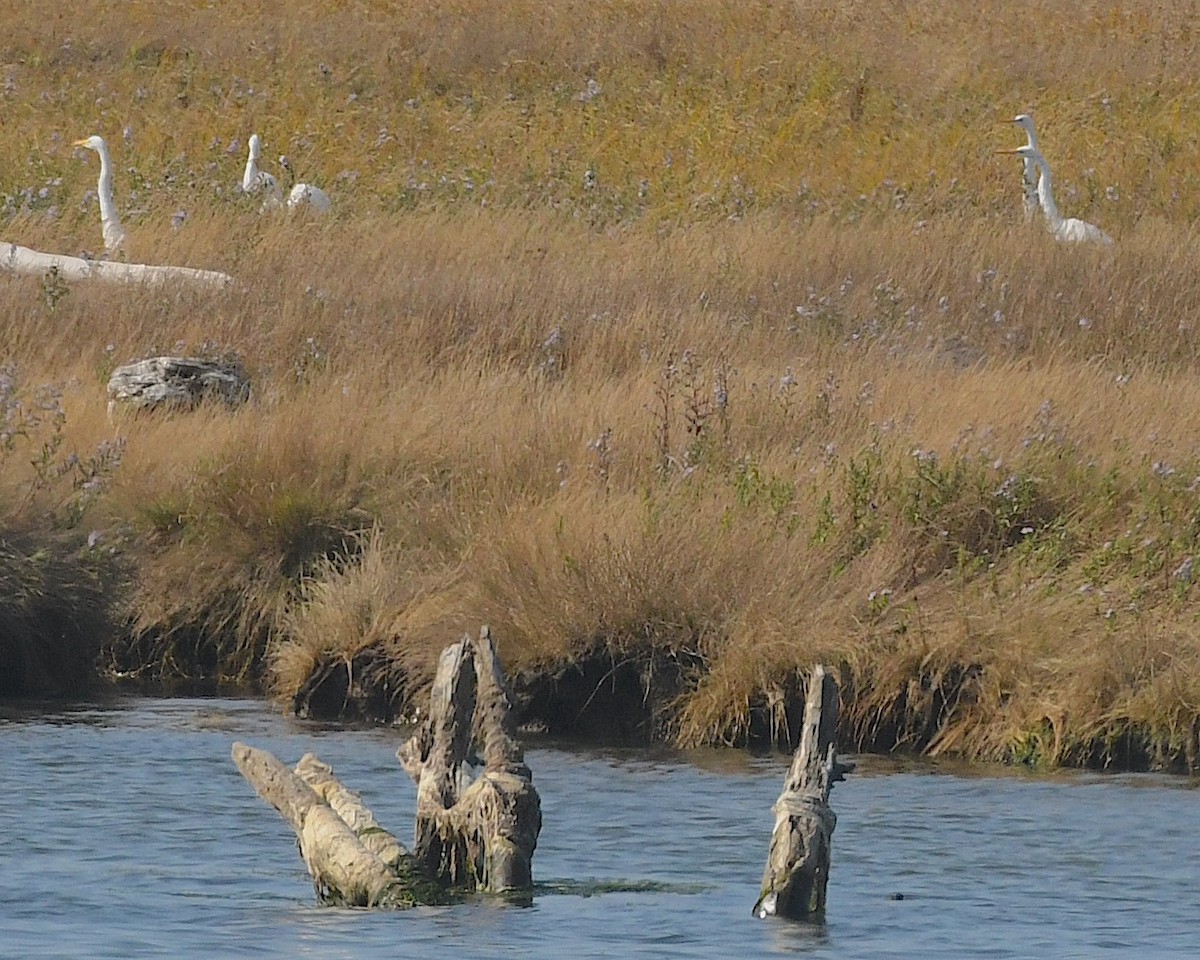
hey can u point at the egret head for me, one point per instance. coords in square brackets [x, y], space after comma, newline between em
[1026, 152]
[92, 143]
[255, 146]
[1026, 123]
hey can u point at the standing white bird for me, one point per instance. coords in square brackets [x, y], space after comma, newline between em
[1070, 230]
[1029, 176]
[254, 179]
[305, 194]
[110, 223]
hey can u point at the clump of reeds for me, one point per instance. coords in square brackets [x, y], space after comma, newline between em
[57, 577]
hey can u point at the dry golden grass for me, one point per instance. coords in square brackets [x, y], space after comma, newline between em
[706, 109]
[791, 382]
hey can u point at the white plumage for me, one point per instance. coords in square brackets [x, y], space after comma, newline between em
[306, 195]
[301, 195]
[1029, 175]
[1069, 230]
[255, 180]
[110, 223]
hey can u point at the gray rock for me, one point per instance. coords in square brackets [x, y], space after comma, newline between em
[177, 382]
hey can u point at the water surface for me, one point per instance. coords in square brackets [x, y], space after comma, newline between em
[126, 831]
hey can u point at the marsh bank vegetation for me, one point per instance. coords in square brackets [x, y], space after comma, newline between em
[738, 358]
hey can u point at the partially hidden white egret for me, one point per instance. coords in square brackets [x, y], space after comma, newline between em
[1070, 230]
[255, 180]
[110, 223]
[1029, 176]
[305, 194]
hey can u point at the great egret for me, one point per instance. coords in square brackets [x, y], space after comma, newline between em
[254, 180]
[1069, 230]
[305, 194]
[110, 223]
[1030, 173]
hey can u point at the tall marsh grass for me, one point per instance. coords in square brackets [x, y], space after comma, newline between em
[57, 575]
[743, 361]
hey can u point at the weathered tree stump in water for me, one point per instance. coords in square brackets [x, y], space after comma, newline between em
[478, 835]
[797, 870]
[470, 835]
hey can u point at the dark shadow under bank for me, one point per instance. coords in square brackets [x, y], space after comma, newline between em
[56, 611]
[631, 699]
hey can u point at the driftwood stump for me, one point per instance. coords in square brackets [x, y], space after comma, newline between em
[477, 834]
[470, 835]
[797, 870]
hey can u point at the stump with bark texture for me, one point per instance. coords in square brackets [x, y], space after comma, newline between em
[797, 870]
[477, 835]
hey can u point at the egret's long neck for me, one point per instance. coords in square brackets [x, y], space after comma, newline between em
[1029, 178]
[1045, 189]
[1031, 137]
[250, 177]
[104, 188]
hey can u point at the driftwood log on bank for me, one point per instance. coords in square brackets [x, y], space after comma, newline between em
[477, 835]
[27, 262]
[797, 870]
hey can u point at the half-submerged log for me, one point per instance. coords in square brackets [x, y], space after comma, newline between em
[351, 859]
[24, 261]
[797, 870]
[473, 834]
[176, 382]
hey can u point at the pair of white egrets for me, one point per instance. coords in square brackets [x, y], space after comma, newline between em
[1039, 192]
[255, 180]
[301, 195]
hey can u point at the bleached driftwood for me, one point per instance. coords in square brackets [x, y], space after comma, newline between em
[481, 834]
[339, 856]
[470, 835]
[176, 381]
[349, 806]
[797, 870]
[27, 262]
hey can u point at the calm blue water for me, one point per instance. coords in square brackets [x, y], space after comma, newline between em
[126, 831]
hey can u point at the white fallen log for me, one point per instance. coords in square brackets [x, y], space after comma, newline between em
[33, 263]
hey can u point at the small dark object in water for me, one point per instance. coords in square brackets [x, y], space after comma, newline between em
[895, 896]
